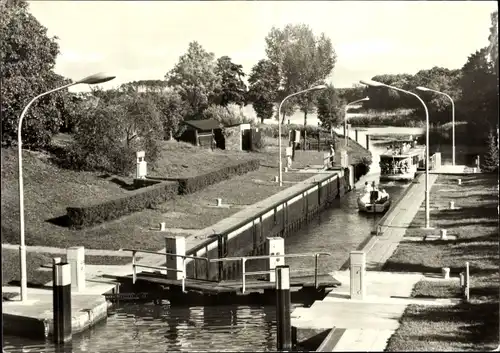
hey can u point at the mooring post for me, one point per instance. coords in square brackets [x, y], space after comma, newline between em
[275, 246]
[466, 282]
[61, 303]
[357, 273]
[175, 245]
[283, 309]
[76, 258]
[367, 142]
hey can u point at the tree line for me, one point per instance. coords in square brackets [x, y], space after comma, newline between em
[201, 85]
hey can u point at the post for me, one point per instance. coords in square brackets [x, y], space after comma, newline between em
[356, 135]
[62, 303]
[466, 282]
[283, 309]
[175, 245]
[357, 274]
[452, 205]
[76, 258]
[367, 141]
[275, 246]
[459, 181]
[444, 235]
[141, 170]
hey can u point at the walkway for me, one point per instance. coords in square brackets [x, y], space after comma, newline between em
[370, 322]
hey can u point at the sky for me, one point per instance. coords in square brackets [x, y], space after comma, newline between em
[142, 40]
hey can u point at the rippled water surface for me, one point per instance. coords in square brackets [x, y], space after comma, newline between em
[150, 328]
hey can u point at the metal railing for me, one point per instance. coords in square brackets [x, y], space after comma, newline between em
[135, 265]
[244, 259]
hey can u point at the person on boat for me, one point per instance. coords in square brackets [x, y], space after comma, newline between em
[384, 196]
[373, 193]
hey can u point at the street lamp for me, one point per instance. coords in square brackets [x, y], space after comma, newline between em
[345, 116]
[425, 89]
[93, 79]
[280, 165]
[427, 201]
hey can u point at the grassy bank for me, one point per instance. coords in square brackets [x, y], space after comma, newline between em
[470, 326]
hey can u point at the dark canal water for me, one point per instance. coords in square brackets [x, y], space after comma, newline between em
[148, 328]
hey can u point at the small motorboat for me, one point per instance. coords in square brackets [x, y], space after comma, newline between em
[374, 201]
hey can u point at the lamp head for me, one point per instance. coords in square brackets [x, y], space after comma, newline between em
[317, 88]
[365, 99]
[96, 78]
[425, 89]
[372, 83]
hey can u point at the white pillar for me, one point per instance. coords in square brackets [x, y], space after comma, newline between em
[444, 235]
[357, 274]
[452, 205]
[175, 245]
[141, 170]
[76, 258]
[275, 246]
[344, 159]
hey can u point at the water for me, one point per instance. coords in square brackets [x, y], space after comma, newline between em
[146, 327]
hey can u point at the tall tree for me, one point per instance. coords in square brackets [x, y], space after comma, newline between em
[493, 38]
[330, 107]
[195, 79]
[172, 110]
[303, 60]
[28, 58]
[264, 82]
[479, 86]
[232, 88]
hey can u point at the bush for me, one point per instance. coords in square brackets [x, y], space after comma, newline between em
[230, 115]
[490, 160]
[198, 182]
[138, 200]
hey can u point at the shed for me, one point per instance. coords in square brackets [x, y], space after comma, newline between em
[206, 133]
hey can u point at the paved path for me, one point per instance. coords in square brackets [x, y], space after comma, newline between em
[370, 322]
[62, 251]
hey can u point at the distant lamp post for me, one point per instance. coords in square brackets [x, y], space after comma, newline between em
[91, 80]
[345, 116]
[425, 89]
[380, 84]
[280, 164]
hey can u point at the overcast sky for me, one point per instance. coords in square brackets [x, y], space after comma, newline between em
[138, 40]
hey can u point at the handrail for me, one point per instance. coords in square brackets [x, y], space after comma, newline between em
[184, 258]
[244, 259]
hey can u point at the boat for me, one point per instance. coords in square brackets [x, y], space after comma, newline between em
[400, 163]
[374, 201]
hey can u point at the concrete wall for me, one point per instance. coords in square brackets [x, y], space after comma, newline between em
[250, 239]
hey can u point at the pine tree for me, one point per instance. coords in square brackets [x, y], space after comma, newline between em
[490, 163]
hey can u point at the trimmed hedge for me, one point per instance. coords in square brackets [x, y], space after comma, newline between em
[137, 200]
[198, 182]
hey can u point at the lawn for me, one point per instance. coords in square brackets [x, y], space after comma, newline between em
[48, 190]
[472, 326]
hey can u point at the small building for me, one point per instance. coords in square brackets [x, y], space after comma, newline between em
[205, 133]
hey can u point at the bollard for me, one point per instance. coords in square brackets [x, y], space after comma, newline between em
[462, 283]
[466, 282]
[76, 258]
[219, 202]
[444, 235]
[474, 170]
[367, 142]
[459, 181]
[61, 303]
[175, 245]
[163, 226]
[452, 205]
[283, 309]
[276, 179]
[286, 170]
[275, 246]
[356, 135]
[357, 274]
[445, 271]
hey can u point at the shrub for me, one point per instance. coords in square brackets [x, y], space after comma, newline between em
[138, 200]
[230, 115]
[198, 182]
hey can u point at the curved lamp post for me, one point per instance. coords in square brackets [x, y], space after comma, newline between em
[93, 79]
[345, 116]
[427, 209]
[280, 165]
[425, 89]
